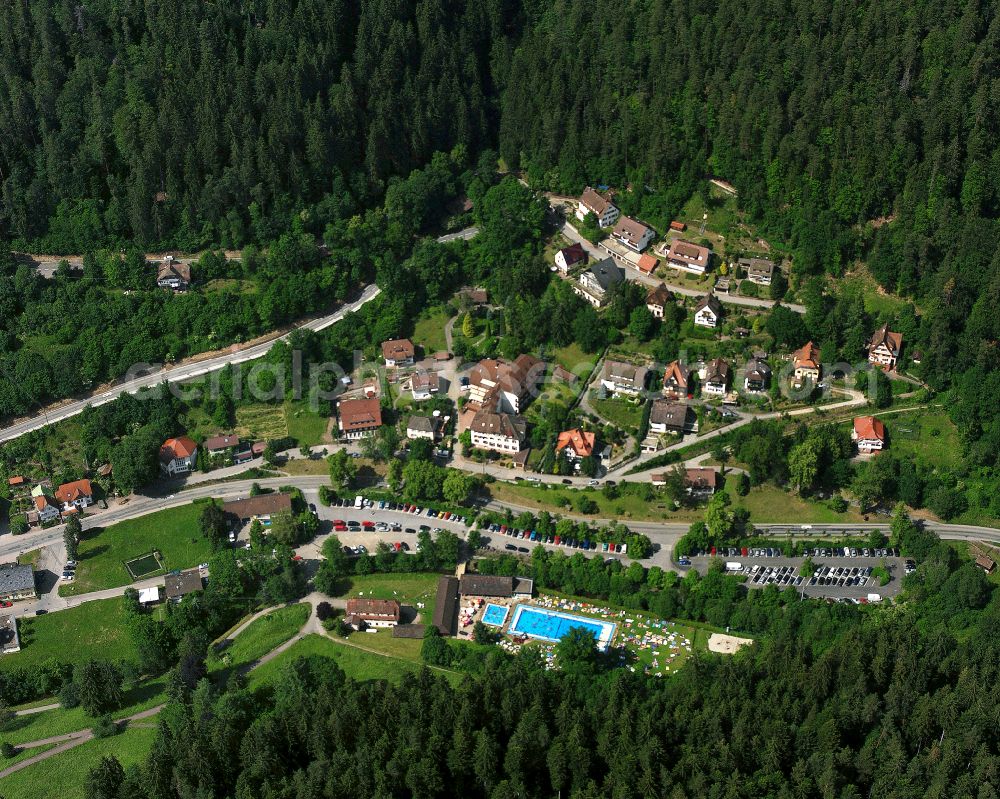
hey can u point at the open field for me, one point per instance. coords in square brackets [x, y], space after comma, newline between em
[175, 533]
[429, 330]
[766, 503]
[261, 422]
[263, 635]
[65, 774]
[91, 630]
[304, 424]
[571, 357]
[355, 662]
[928, 437]
[305, 466]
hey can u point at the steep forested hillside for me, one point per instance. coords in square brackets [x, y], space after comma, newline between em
[189, 123]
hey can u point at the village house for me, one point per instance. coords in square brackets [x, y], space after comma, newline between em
[689, 257]
[678, 227]
[363, 613]
[884, 347]
[45, 509]
[657, 300]
[708, 311]
[806, 362]
[591, 202]
[715, 383]
[75, 496]
[759, 270]
[594, 283]
[576, 443]
[221, 445]
[868, 434]
[669, 417]
[173, 275]
[424, 385]
[498, 432]
[16, 582]
[633, 234]
[624, 379]
[506, 386]
[358, 417]
[178, 586]
[756, 376]
[178, 456]
[701, 482]
[421, 427]
[398, 352]
[676, 380]
[571, 256]
[262, 507]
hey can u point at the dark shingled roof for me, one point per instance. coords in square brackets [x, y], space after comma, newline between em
[487, 585]
[446, 606]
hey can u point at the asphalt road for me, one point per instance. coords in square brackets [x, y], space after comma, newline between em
[177, 372]
[465, 233]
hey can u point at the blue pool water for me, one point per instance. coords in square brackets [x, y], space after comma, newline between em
[551, 625]
[495, 615]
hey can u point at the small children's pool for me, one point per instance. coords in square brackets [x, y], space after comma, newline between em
[552, 625]
[495, 615]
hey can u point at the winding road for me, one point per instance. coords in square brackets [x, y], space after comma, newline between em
[176, 373]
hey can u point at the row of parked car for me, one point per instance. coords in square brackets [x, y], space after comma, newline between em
[818, 552]
[842, 576]
[545, 538]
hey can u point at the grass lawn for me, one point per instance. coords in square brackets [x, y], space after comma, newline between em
[571, 357]
[877, 302]
[29, 558]
[60, 721]
[174, 532]
[626, 506]
[64, 775]
[263, 635]
[24, 754]
[306, 466]
[304, 424]
[429, 330]
[91, 630]
[261, 422]
[619, 412]
[929, 437]
[769, 504]
[355, 662]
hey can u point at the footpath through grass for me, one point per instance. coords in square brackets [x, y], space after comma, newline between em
[263, 635]
[174, 532]
[38, 726]
[64, 775]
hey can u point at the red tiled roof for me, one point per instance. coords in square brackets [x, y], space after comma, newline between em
[678, 373]
[593, 201]
[70, 492]
[222, 442]
[884, 336]
[174, 448]
[582, 443]
[868, 428]
[373, 608]
[647, 263]
[700, 478]
[398, 349]
[574, 254]
[807, 357]
[360, 414]
[17, 480]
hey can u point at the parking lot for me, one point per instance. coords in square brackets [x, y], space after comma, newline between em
[835, 575]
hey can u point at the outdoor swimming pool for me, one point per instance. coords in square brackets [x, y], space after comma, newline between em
[495, 615]
[551, 625]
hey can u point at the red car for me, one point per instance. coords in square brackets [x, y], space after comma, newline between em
[339, 523]
[6, 604]
[296, 557]
[367, 523]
